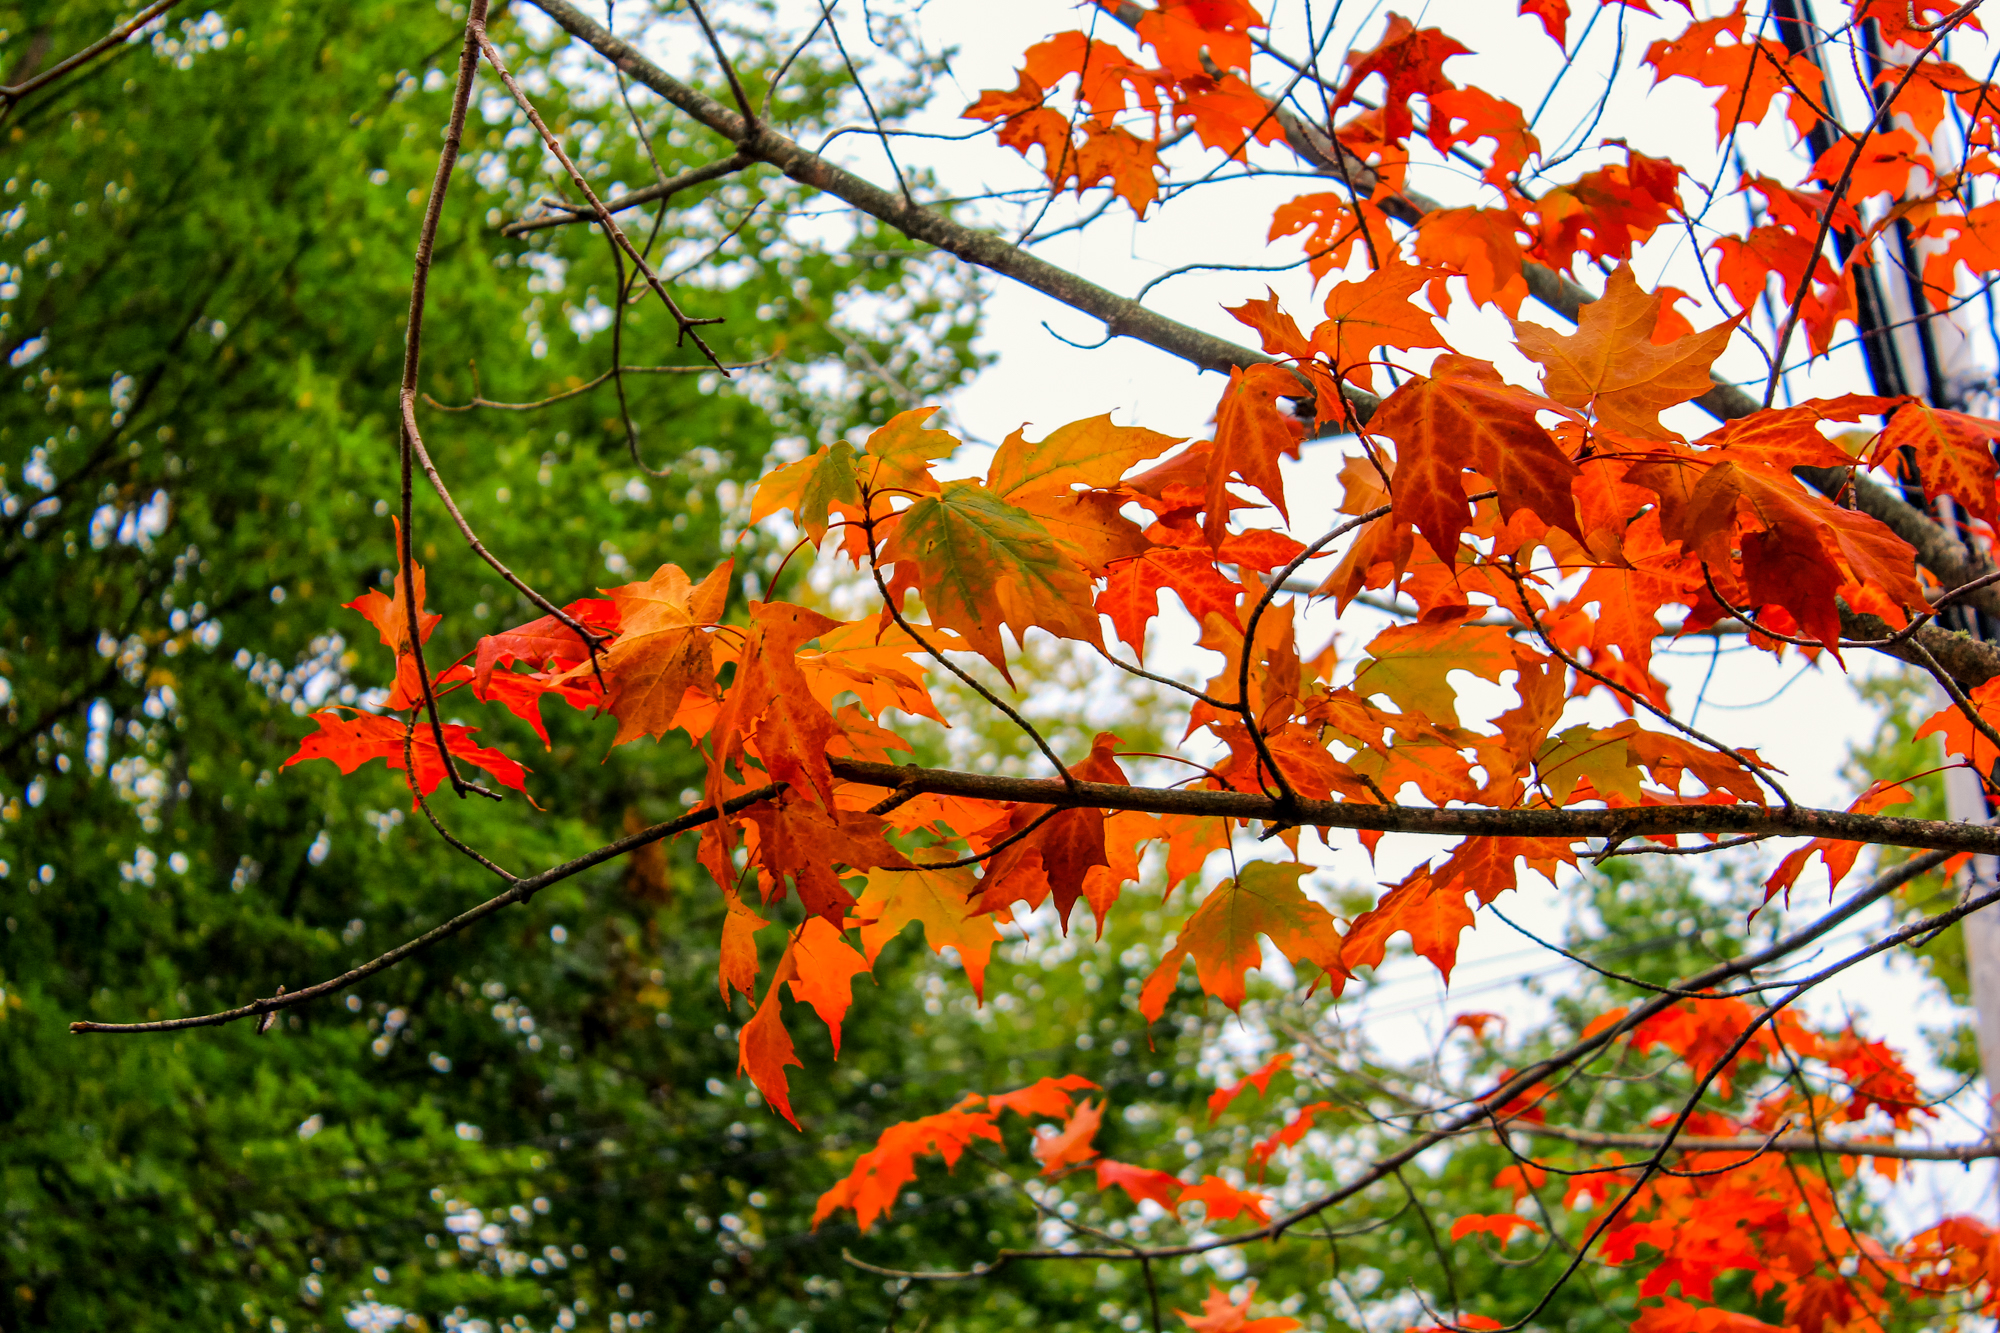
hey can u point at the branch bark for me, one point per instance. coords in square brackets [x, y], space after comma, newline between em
[1618, 824]
[1784, 1143]
[1122, 316]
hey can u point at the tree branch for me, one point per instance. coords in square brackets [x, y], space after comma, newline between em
[1122, 316]
[1784, 1143]
[519, 892]
[1618, 824]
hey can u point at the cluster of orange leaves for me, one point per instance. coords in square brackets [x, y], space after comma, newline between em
[1722, 1211]
[1571, 509]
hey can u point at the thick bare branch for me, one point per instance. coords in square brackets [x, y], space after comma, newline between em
[1121, 316]
[1631, 822]
[1784, 1143]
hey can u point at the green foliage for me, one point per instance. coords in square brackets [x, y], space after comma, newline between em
[208, 264]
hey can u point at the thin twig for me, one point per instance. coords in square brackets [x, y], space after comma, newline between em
[519, 892]
[12, 94]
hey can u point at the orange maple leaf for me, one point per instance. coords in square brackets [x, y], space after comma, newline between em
[1140, 1182]
[391, 618]
[1073, 1144]
[1055, 853]
[1225, 1202]
[799, 840]
[1501, 1226]
[1838, 856]
[1222, 935]
[879, 1174]
[981, 563]
[1260, 1079]
[942, 901]
[662, 650]
[1220, 1315]
[352, 741]
[1251, 435]
[1410, 61]
[1463, 415]
[1042, 1099]
[1286, 1137]
[1612, 365]
[1483, 246]
[1434, 919]
[1953, 453]
[1960, 736]
[826, 965]
[1372, 313]
[770, 702]
[764, 1048]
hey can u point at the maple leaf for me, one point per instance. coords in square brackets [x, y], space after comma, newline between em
[1263, 900]
[980, 563]
[662, 650]
[1463, 415]
[1131, 596]
[1580, 752]
[1410, 61]
[1122, 158]
[1501, 1226]
[1071, 1145]
[1434, 919]
[814, 488]
[1220, 1315]
[879, 1174]
[1796, 551]
[1334, 227]
[826, 965]
[770, 701]
[801, 840]
[1409, 663]
[1615, 207]
[1251, 435]
[1953, 453]
[1483, 246]
[942, 901]
[764, 1048]
[1296, 1129]
[543, 644]
[1104, 73]
[1750, 74]
[1141, 1183]
[737, 970]
[1553, 15]
[1467, 115]
[1219, 1100]
[1960, 736]
[391, 618]
[1092, 453]
[1042, 1099]
[1225, 1203]
[1881, 164]
[1056, 855]
[1612, 365]
[1040, 478]
[1375, 312]
[899, 454]
[1676, 1316]
[351, 742]
[1838, 856]
[1279, 331]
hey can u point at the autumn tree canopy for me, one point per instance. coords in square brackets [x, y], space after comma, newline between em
[1550, 462]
